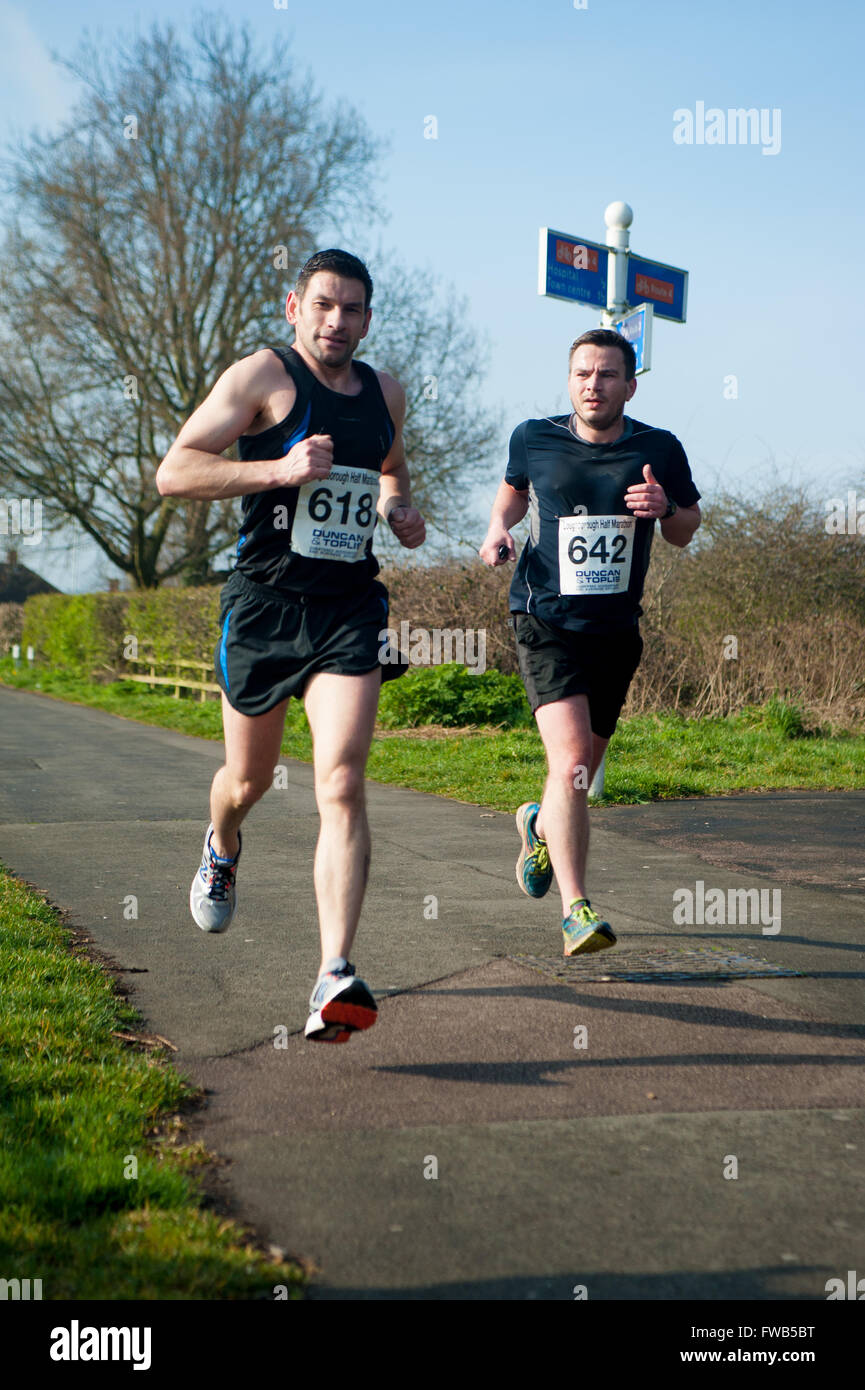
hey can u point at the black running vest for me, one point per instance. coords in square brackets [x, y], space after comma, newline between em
[584, 564]
[317, 538]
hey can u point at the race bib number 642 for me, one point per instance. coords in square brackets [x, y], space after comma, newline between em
[595, 554]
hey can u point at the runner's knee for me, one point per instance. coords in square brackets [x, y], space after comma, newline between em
[340, 786]
[245, 791]
[573, 769]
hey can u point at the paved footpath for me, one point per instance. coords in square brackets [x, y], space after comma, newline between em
[557, 1164]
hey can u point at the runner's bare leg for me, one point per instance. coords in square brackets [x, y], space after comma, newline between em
[341, 712]
[252, 744]
[563, 820]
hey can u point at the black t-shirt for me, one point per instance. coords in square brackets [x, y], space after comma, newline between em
[584, 564]
[317, 538]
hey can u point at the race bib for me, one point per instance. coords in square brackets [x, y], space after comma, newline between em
[595, 554]
[336, 515]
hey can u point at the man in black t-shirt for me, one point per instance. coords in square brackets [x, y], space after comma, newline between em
[594, 483]
[321, 457]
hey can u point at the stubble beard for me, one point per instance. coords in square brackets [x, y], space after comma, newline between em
[325, 353]
[601, 422]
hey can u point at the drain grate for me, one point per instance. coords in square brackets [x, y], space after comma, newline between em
[661, 963]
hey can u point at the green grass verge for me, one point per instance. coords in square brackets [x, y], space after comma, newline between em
[652, 757]
[80, 1113]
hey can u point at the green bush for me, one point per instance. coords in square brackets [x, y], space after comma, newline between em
[78, 633]
[175, 624]
[451, 696]
[88, 634]
[778, 717]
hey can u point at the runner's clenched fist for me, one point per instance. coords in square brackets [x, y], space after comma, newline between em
[648, 498]
[408, 526]
[312, 458]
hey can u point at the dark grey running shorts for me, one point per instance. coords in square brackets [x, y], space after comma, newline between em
[270, 644]
[556, 662]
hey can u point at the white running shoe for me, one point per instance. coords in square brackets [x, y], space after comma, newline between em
[213, 897]
[340, 1004]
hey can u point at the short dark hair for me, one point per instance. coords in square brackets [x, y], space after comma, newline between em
[338, 263]
[607, 337]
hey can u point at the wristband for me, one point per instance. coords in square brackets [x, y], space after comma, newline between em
[672, 508]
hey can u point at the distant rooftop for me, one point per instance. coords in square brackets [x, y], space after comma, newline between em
[17, 582]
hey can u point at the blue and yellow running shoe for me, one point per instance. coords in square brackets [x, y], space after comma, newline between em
[584, 930]
[534, 870]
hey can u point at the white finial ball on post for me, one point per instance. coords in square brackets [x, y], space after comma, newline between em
[618, 218]
[619, 215]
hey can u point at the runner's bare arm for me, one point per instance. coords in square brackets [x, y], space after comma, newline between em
[407, 524]
[194, 466]
[509, 507]
[680, 527]
[395, 483]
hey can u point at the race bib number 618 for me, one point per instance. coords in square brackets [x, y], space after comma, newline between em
[595, 554]
[336, 515]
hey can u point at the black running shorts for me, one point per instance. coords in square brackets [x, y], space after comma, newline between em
[556, 662]
[271, 643]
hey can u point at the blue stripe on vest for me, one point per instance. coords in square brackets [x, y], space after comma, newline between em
[300, 432]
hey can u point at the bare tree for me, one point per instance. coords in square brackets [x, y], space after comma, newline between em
[150, 244]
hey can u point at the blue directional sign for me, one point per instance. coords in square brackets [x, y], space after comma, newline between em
[664, 286]
[572, 268]
[637, 328]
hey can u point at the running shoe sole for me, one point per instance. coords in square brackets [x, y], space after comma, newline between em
[592, 939]
[331, 1035]
[348, 1012]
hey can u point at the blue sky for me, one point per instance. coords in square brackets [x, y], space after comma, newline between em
[545, 114]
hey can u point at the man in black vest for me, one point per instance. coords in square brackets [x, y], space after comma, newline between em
[321, 457]
[595, 482]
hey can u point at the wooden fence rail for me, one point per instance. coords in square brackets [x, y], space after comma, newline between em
[179, 681]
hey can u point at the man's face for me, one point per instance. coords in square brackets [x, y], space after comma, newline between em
[331, 319]
[597, 385]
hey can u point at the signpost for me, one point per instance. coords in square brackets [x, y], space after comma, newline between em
[628, 289]
[572, 268]
[611, 277]
[637, 328]
[664, 286]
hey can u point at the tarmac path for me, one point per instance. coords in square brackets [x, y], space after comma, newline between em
[475, 1143]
